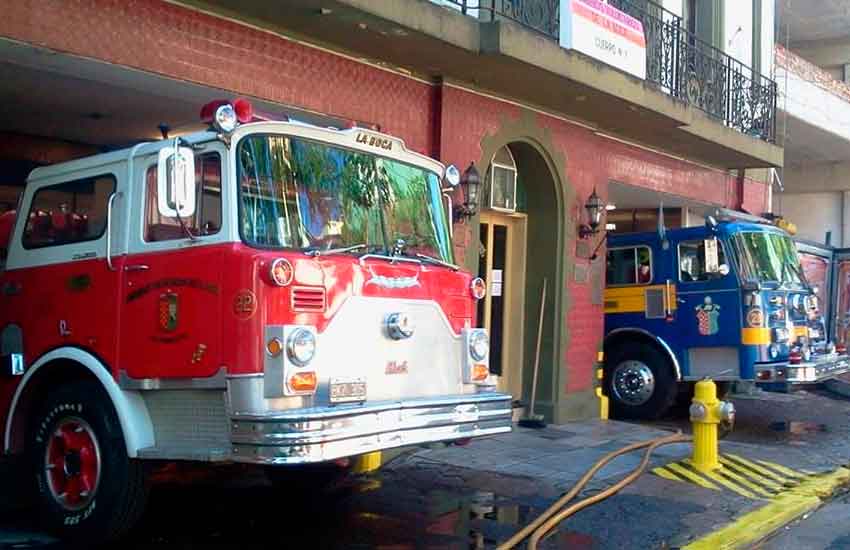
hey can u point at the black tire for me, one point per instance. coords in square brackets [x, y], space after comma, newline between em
[665, 386]
[120, 491]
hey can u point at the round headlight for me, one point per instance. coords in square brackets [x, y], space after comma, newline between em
[301, 346]
[478, 288]
[225, 118]
[281, 272]
[479, 345]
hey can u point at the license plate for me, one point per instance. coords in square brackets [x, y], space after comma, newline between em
[347, 390]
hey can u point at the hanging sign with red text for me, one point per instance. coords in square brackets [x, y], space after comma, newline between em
[603, 32]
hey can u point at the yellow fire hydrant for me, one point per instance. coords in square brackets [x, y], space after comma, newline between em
[707, 412]
[603, 399]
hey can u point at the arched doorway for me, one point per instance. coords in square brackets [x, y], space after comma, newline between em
[521, 231]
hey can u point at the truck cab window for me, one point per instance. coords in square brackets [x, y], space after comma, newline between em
[207, 217]
[629, 266]
[68, 212]
[692, 262]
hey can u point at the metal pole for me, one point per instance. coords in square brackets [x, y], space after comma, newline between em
[537, 352]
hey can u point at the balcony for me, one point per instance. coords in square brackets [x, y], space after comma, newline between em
[817, 125]
[677, 63]
[696, 102]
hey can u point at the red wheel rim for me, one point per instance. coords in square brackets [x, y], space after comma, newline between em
[72, 463]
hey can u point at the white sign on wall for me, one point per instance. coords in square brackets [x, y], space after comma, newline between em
[603, 32]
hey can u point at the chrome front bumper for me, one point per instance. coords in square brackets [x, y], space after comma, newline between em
[327, 433]
[816, 371]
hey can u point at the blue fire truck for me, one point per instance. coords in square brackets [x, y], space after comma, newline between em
[727, 300]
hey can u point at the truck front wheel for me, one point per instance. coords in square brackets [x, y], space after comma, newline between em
[88, 488]
[639, 382]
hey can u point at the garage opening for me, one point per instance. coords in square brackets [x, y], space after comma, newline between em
[636, 209]
[56, 107]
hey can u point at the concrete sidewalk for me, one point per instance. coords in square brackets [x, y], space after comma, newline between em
[653, 512]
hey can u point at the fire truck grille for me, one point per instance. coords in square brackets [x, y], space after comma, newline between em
[308, 299]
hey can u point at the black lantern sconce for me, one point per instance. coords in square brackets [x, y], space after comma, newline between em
[470, 184]
[595, 207]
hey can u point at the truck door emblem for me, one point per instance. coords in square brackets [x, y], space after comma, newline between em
[212, 288]
[708, 314]
[395, 367]
[63, 328]
[168, 312]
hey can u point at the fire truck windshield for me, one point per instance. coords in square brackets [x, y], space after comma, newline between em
[296, 193]
[768, 257]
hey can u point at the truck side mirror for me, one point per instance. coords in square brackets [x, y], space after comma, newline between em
[175, 182]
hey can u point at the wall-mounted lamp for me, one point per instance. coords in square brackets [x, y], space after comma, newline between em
[470, 184]
[595, 207]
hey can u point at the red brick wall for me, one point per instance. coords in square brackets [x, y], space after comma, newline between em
[157, 37]
[445, 122]
[590, 161]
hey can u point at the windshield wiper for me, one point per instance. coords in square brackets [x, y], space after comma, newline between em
[437, 261]
[341, 250]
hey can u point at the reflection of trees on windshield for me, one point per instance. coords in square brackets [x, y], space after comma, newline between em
[769, 257]
[297, 193]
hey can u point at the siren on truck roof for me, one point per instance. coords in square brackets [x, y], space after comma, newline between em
[224, 115]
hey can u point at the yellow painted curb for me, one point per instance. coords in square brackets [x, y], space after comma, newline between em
[785, 508]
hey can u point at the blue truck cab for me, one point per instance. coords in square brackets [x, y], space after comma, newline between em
[727, 300]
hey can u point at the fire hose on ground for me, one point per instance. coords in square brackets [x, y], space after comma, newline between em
[707, 412]
[552, 516]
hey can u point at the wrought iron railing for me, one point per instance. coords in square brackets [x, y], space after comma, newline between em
[703, 76]
[660, 29]
[539, 15]
[678, 62]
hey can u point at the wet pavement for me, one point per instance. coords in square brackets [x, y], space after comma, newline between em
[400, 508]
[478, 495]
[827, 528]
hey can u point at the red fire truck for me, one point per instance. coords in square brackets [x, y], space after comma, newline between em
[263, 292]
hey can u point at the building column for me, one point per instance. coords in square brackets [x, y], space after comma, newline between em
[844, 239]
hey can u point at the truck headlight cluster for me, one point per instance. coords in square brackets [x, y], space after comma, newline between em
[301, 346]
[479, 345]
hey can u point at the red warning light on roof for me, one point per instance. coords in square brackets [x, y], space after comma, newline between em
[244, 110]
